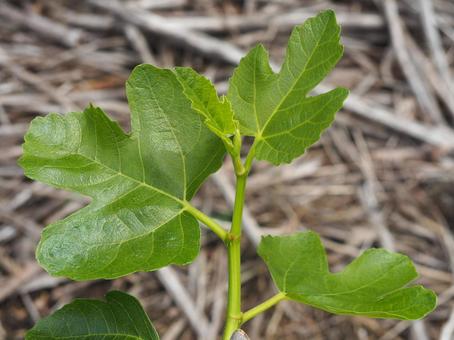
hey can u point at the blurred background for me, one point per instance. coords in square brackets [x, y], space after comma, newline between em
[383, 175]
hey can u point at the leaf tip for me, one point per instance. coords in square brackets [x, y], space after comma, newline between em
[432, 299]
[425, 302]
[328, 13]
[344, 91]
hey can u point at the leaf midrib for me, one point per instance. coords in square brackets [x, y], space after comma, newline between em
[276, 109]
[307, 120]
[346, 292]
[171, 127]
[184, 203]
[119, 172]
[132, 337]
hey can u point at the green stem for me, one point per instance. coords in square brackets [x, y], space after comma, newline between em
[262, 307]
[209, 222]
[237, 218]
[250, 157]
[236, 154]
[234, 315]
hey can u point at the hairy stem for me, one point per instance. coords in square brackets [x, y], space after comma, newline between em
[234, 315]
[248, 315]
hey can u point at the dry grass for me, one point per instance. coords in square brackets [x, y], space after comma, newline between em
[382, 176]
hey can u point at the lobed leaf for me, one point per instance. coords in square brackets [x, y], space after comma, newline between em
[373, 285]
[138, 183]
[274, 107]
[121, 317]
[201, 92]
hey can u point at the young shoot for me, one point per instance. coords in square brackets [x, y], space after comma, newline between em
[141, 184]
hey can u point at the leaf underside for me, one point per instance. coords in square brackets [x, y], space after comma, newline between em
[274, 107]
[138, 182]
[373, 285]
[121, 317]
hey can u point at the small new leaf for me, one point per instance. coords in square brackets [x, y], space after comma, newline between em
[201, 92]
[274, 107]
[373, 285]
[139, 183]
[121, 317]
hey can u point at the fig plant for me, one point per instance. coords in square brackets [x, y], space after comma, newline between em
[141, 183]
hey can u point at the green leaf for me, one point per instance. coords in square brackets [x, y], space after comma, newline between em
[201, 92]
[121, 317]
[139, 183]
[274, 107]
[373, 285]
